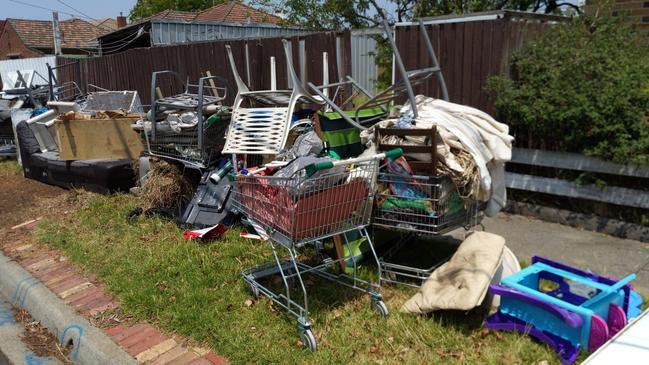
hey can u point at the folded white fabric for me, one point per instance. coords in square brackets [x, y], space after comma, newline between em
[462, 282]
[487, 140]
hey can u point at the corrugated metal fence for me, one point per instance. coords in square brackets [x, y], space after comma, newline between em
[38, 64]
[364, 67]
[469, 50]
[132, 69]
[164, 32]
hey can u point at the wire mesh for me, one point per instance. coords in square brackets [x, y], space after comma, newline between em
[184, 145]
[298, 209]
[422, 204]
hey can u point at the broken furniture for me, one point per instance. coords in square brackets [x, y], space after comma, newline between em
[66, 91]
[105, 136]
[261, 120]
[414, 198]
[567, 308]
[340, 123]
[96, 175]
[211, 204]
[179, 130]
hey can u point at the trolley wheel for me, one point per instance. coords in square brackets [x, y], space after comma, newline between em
[254, 291]
[308, 339]
[381, 308]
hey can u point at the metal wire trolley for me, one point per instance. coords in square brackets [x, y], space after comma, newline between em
[314, 203]
[418, 206]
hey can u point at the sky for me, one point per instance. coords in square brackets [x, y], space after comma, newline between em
[33, 9]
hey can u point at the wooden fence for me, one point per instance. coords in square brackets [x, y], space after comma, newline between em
[469, 50]
[132, 69]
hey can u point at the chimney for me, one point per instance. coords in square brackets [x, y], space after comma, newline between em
[121, 21]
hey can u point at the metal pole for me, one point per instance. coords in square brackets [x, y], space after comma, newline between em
[431, 52]
[57, 34]
[50, 84]
[273, 74]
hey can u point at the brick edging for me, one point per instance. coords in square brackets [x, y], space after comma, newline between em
[89, 298]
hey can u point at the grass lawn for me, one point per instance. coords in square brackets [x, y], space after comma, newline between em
[9, 167]
[196, 290]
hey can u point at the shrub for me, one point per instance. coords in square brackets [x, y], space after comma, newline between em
[581, 86]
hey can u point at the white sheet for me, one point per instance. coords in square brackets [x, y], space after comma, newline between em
[487, 140]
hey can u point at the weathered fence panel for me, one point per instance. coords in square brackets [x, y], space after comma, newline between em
[132, 69]
[469, 49]
[573, 161]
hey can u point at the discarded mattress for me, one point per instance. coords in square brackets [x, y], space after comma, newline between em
[96, 175]
[463, 281]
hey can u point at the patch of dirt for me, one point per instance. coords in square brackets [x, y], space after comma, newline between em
[24, 200]
[39, 340]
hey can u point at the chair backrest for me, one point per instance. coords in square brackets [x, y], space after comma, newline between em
[264, 130]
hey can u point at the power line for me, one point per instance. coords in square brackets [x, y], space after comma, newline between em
[121, 40]
[42, 7]
[117, 47]
[98, 25]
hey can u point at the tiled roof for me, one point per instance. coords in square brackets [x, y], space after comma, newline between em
[229, 12]
[173, 15]
[236, 12]
[107, 24]
[75, 33]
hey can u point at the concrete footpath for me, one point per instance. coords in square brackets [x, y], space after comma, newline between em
[600, 253]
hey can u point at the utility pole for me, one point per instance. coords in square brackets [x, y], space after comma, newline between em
[57, 34]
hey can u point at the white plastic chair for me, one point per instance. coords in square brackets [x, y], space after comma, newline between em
[264, 129]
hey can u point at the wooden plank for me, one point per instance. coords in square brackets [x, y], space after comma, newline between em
[611, 195]
[213, 89]
[406, 132]
[338, 244]
[98, 139]
[406, 148]
[575, 161]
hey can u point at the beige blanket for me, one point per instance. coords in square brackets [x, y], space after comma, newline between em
[462, 282]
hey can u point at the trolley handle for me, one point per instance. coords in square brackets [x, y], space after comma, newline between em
[315, 167]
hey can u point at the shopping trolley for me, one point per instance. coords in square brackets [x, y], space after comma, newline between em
[418, 207]
[320, 201]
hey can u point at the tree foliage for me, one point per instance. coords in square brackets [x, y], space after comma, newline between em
[338, 14]
[145, 8]
[582, 86]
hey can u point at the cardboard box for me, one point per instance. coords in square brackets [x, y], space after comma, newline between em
[98, 139]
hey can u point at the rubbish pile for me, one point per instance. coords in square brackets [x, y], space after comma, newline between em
[67, 145]
[187, 127]
[325, 175]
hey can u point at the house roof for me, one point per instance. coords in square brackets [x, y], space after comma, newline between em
[75, 33]
[107, 24]
[172, 15]
[236, 12]
[229, 12]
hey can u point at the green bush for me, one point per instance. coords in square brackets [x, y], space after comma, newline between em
[581, 86]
